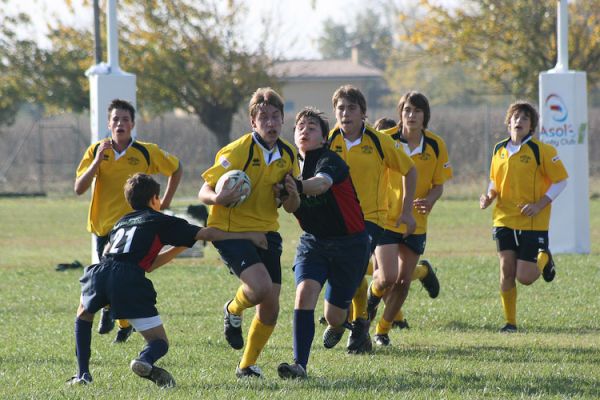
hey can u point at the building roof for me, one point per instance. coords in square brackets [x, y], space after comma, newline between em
[324, 69]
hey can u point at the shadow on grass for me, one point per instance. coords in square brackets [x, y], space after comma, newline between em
[467, 327]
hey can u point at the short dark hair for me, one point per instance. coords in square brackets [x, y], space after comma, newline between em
[352, 94]
[419, 101]
[118, 104]
[384, 123]
[264, 96]
[315, 114]
[140, 189]
[527, 108]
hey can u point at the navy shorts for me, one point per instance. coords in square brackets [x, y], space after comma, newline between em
[239, 254]
[342, 262]
[375, 232]
[122, 285]
[415, 242]
[526, 244]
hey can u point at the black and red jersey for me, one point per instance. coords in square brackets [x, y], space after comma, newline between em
[139, 236]
[336, 212]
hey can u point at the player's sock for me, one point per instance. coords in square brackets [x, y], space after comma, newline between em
[420, 272]
[153, 351]
[359, 302]
[123, 323]
[258, 335]
[399, 316]
[239, 303]
[304, 333]
[370, 268]
[383, 326]
[376, 291]
[83, 345]
[509, 304]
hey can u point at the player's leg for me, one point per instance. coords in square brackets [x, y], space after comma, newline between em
[387, 267]
[157, 346]
[106, 323]
[507, 244]
[407, 261]
[124, 332]
[83, 346]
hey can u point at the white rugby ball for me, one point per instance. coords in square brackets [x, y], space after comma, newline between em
[232, 178]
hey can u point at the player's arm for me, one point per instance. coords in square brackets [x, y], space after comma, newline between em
[532, 209]
[84, 181]
[409, 184]
[165, 256]
[425, 205]
[172, 184]
[226, 196]
[487, 198]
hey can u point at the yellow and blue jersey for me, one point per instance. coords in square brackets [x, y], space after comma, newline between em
[524, 178]
[369, 162]
[259, 211]
[433, 168]
[108, 203]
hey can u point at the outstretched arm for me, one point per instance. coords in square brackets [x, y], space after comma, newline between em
[172, 184]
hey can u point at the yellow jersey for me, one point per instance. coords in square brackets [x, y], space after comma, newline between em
[369, 162]
[433, 168]
[522, 178]
[259, 211]
[108, 203]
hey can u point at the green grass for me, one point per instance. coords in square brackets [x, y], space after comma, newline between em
[451, 351]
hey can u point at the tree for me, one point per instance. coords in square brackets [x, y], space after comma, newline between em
[369, 36]
[508, 42]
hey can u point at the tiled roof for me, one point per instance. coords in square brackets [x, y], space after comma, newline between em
[319, 69]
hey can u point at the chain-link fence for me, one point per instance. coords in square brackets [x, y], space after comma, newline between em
[42, 156]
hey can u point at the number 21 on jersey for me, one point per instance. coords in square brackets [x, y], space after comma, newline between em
[122, 241]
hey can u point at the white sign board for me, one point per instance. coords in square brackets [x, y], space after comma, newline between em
[564, 124]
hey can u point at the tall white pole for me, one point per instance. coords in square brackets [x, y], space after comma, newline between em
[112, 31]
[562, 34]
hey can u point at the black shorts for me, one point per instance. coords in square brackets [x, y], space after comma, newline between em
[375, 232]
[122, 285]
[342, 262]
[526, 244]
[415, 242]
[239, 254]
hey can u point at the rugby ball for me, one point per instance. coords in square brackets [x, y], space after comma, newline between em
[232, 178]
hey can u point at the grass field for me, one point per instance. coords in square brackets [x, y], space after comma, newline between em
[452, 351]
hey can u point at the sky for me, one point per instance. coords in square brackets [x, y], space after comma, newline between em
[301, 21]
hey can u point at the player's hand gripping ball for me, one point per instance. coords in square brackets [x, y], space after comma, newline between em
[232, 178]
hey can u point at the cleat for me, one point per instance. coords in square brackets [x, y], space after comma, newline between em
[332, 336]
[430, 282]
[400, 324]
[322, 320]
[253, 371]
[291, 371]
[372, 303]
[161, 377]
[84, 379]
[359, 340]
[544, 259]
[123, 334]
[106, 323]
[232, 327]
[382, 339]
[508, 328]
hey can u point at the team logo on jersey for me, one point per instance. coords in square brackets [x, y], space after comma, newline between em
[338, 149]
[105, 157]
[280, 163]
[447, 165]
[133, 161]
[425, 156]
[366, 149]
[555, 158]
[224, 162]
[525, 159]
[255, 162]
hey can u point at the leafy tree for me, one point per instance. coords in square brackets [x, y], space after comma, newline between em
[372, 38]
[508, 42]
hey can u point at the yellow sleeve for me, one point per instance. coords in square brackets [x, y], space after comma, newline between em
[225, 160]
[552, 165]
[394, 156]
[443, 168]
[161, 162]
[88, 158]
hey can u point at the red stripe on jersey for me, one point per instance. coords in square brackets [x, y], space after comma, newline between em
[347, 203]
[149, 258]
